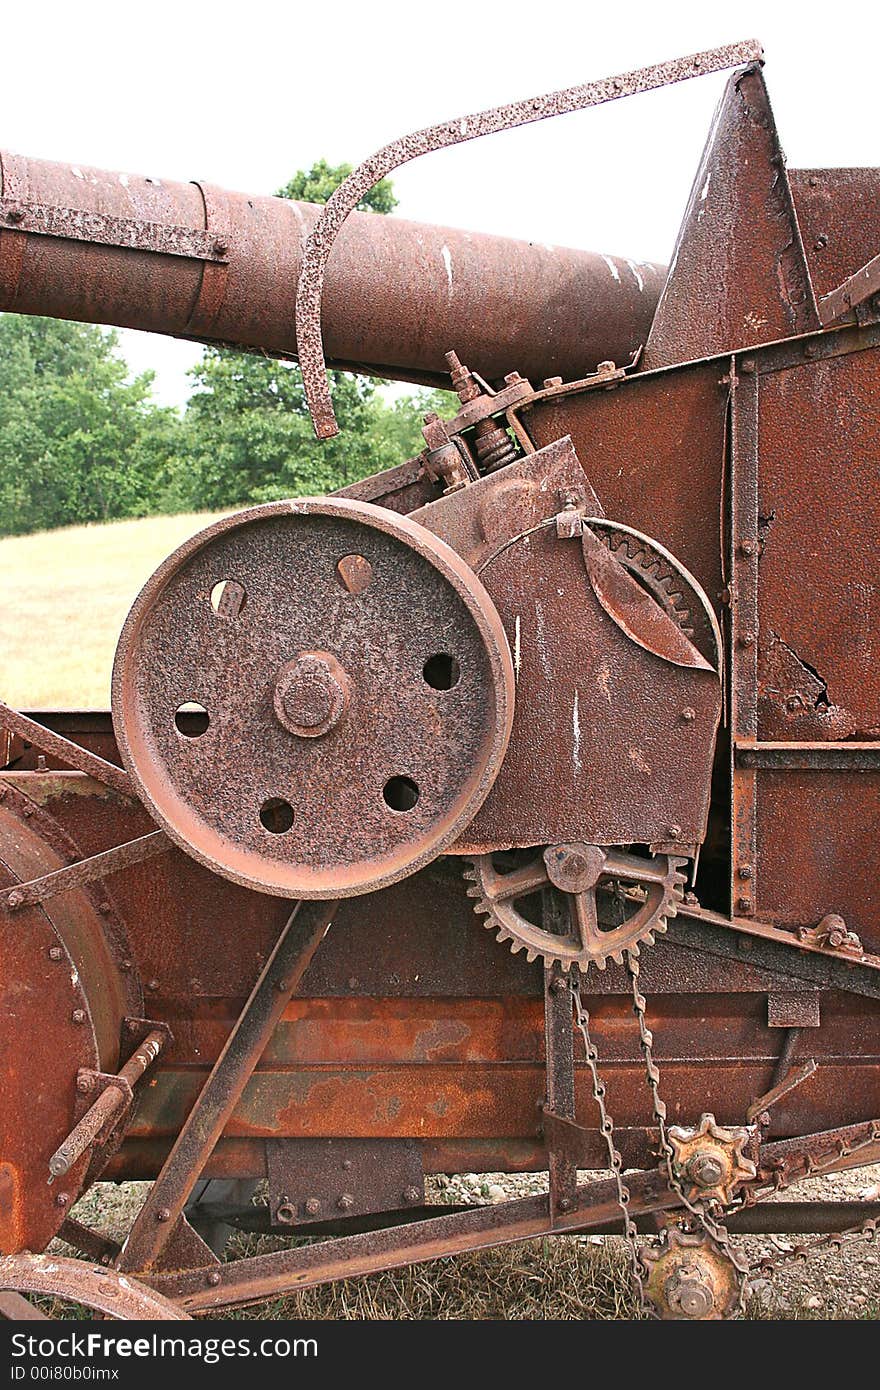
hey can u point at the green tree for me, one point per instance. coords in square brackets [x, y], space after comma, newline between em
[78, 440]
[250, 438]
[315, 185]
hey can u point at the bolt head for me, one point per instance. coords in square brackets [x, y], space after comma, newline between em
[163, 1214]
[63, 1199]
[705, 1170]
[313, 1206]
[689, 1293]
[688, 714]
[55, 953]
[214, 1278]
[412, 1194]
[84, 1084]
[345, 1202]
[78, 1016]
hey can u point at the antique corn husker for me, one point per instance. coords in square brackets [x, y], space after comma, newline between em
[599, 666]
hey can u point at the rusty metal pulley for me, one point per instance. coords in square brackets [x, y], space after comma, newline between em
[313, 697]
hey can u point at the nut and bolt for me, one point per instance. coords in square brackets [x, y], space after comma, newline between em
[747, 547]
[84, 1084]
[688, 714]
[688, 1292]
[313, 1206]
[745, 870]
[163, 1214]
[55, 953]
[214, 1278]
[62, 1200]
[78, 1016]
[705, 1170]
[15, 899]
[345, 1202]
[412, 1194]
[744, 903]
[747, 639]
[674, 832]
[559, 984]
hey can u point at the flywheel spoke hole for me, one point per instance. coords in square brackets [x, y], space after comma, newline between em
[441, 671]
[191, 719]
[400, 793]
[276, 815]
[228, 598]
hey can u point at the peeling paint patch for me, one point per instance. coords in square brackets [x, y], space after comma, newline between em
[612, 267]
[517, 652]
[447, 261]
[637, 758]
[576, 732]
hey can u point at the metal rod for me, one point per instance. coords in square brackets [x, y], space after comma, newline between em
[66, 752]
[280, 977]
[109, 1105]
[559, 1055]
[38, 890]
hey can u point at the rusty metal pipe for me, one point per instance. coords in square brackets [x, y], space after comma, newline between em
[195, 261]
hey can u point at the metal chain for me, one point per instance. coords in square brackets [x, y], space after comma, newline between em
[698, 1210]
[615, 1161]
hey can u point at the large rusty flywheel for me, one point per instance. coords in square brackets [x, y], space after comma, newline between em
[313, 697]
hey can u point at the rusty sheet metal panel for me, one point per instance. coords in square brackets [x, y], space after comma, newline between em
[398, 296]
[653, 449]
[818, 520]
[738, 274]
[572, 773]
[818, 849]
[839, 215]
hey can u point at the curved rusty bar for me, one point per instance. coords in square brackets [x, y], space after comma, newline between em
[199, 262]
[438, 137]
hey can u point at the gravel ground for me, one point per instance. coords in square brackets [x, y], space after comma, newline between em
[578, 1277]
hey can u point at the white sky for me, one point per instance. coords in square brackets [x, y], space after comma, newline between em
[244, 94]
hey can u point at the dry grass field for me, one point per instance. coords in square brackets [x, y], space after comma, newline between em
[65, 596]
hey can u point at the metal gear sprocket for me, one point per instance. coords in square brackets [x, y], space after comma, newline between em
[610, 901]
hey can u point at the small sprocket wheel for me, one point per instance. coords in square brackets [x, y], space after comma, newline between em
[689, 1277]
[610, 901]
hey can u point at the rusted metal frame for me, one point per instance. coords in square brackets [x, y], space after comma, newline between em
[14, 1307]
[279, 978]
[98, 1247]
[595, 1206]
[320, 243]
[829, 1151]
[808, 757]
[74, 224]
[559, 1061]
[378, 485]
[13, 185]
[113, 1101]
[773, 950]
[744, 626]
[854, 291]
[813, 347]
[65, 751]
[102, 1290]
[248, 1281]
[110, 861]
[782, 1088]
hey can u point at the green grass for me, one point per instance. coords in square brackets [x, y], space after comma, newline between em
[65, 595]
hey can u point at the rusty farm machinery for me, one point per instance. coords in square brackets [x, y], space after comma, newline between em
[515, 809]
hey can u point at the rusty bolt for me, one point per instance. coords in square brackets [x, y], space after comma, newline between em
[132, 1025]
[27, 811]
[62, 1200]
[15, 215]
[345, 1202]
[674, 832]
[705, 1170]
[688, 714]
[163, 1214]
[214, 1278]
[220, 248]
[55, 953]
[412, 1194]
[346, 1165]
[15, 899]
[688, 1292]
[744, 904]
[313, 1206]
[152, 986]
[78, 1016]
[564, 1204]
[353, 982]
[747, 639]
[764, 1120]
[559, 984]
[745, 871]
[105, 908]
[747, 547]
[550, 381]
[793, 703]
[84, 1084]
[286, 1212]
[821, 241]
[512, 378]
[125, 965]
[282, 986]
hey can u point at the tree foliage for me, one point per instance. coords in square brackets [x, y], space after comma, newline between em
[79, 441]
